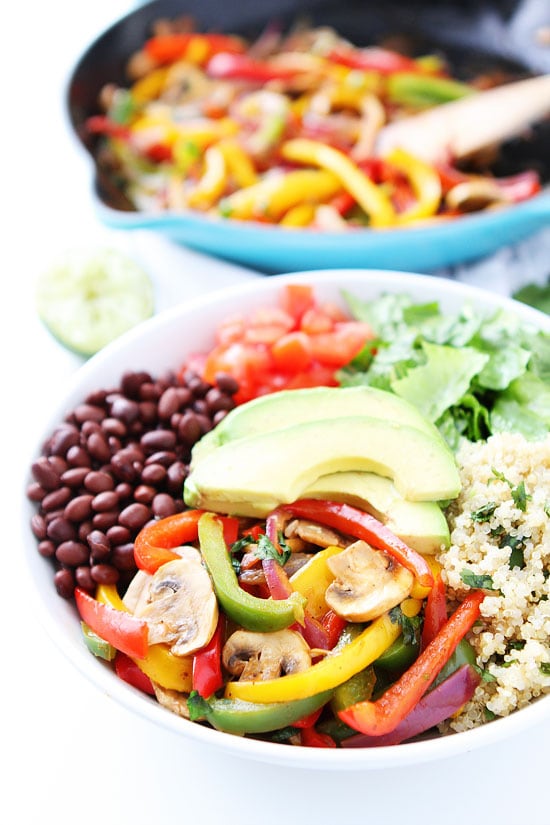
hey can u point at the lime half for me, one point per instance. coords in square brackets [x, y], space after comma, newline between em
[87, 299]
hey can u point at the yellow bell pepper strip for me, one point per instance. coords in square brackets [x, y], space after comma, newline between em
[238, 163]
[273, 197]
[336, 668]
[370, 197]
[213, 182]
[354, 522]
[298, 216]
[118, 627]
[127, 670]
[159, 663]
[425, 182]
[250, 612]
[149, 86]
[313, 578]
[437, 705]
[384, 715]
[236, 716]
[422, 90]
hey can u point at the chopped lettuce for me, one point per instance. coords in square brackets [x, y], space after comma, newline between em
[472, 373]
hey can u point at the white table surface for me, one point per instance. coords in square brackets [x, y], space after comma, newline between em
[70, 755]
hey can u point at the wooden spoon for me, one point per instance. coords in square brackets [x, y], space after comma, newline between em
[455, 130]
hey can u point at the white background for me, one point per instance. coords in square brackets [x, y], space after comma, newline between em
[70, 755]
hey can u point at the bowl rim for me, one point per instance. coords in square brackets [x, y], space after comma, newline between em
[102, 676]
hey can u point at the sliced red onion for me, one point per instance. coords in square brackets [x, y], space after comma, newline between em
[434, 707]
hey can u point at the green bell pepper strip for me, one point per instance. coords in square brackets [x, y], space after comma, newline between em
[464, 655]
[398, 656]
[96, 645]
[250, 612]
[358, 688]
[422, 90]
[236, 716]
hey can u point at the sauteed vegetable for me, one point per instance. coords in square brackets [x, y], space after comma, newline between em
[283, 131]
[334, 574]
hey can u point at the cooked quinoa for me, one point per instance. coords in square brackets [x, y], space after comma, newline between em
[500, 530]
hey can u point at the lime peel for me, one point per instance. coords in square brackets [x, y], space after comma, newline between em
[87, 299]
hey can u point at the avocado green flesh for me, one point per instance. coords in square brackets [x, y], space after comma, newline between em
[290, 407]
[420, 524]
[277, 467]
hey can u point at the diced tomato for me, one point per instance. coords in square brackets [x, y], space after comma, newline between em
[342, 344]
[315, 321]
[294, 344]
[292, 352]
[296, 299]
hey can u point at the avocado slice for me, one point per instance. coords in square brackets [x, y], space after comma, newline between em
[420, 524]
[289, 407]
[277, 467]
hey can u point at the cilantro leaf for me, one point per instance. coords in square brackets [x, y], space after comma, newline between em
[484, 513]
[198, 707]
[265, 549]
[477, 580]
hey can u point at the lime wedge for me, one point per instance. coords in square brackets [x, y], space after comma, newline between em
[87, 299]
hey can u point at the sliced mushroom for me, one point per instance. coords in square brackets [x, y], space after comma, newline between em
[260, 656]
[137, 591]
[179, 604]
[172, 700]
[367, 583]
[314, 533]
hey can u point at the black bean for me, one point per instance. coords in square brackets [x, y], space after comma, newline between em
[98, 482]
[99, 544]
[134, 516]
[104, 574]
[45, 474]
[72, 553]
[117, 462]
[64, 583]
[79, 508]
[60, 529]
[226, 383]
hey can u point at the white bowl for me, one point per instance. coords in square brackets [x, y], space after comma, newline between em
[163, 342]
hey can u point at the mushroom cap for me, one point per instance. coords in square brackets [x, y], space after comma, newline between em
[179, 604]
[259, 656]
[367, 583]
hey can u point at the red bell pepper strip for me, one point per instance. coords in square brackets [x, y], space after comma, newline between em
[226, 66]
[207, 663]
[127, 670]
[167, 48]
[309, 720]
[435, 612]
[103, 125]
[154, 543]
[436, 706]
[310, 738]
[333, 624]
[355, 522]
[123, 630]
[374, 59]
[386, 713]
